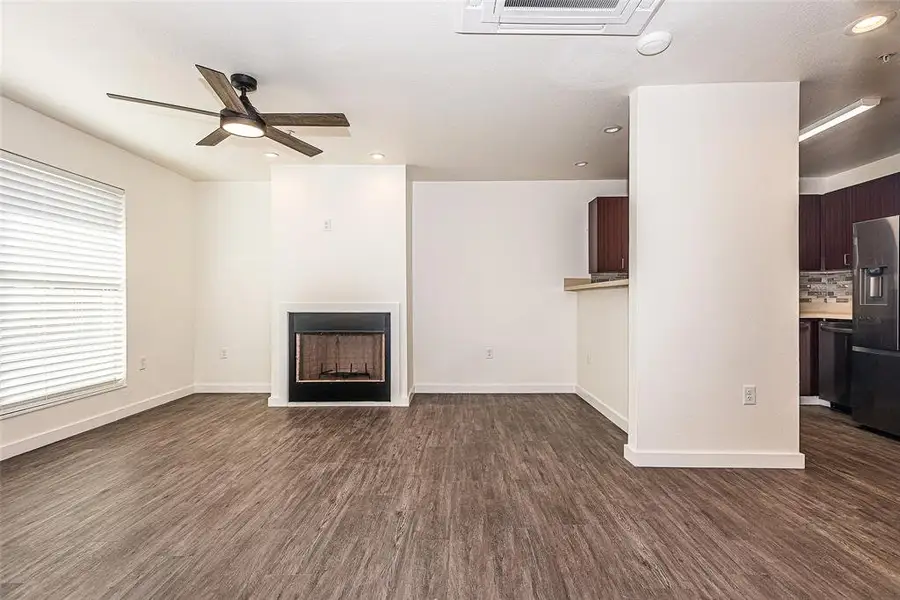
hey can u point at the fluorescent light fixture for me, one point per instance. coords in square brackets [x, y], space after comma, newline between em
[581, 163]
[377, 155]
[613, 129]
[836, 118]
[270, 154]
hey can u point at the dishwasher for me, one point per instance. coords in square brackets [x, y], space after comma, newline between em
[835, 343]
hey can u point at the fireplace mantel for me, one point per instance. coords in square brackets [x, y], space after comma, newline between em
[280, 354]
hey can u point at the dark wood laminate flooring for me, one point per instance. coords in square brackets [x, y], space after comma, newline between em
[457, 497]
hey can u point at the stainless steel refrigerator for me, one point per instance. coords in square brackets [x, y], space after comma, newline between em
[875, 379]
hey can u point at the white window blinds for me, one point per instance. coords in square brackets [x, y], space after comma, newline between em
[62, 285]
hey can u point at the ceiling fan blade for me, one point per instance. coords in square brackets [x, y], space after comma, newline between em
[306, 119]
[214, 138]
[222, 87]
[198, 111]
[291, 142]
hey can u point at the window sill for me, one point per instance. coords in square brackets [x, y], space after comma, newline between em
[15, 410]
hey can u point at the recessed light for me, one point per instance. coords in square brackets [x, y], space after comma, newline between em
[869, 23]
[838, 117]
[613, 129]
[581, 163]
[270, 154]
[377, 155]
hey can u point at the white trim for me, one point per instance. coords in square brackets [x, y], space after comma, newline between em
[716, 460]
[813, 401]
[603, 408]
[494, 388]
[67, 431]
[260, 387]
[279, 387]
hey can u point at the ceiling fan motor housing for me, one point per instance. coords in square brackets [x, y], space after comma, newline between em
[243, 82]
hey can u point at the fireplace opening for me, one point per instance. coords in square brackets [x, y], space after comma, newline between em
[339, 357]
[334, 356]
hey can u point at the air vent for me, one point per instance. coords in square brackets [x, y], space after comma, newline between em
[564, 4]
[559, 17]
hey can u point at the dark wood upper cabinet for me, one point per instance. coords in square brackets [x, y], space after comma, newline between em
[836, 229]
[593, 228]
[810, 239]
[876, 199]
[608, 235]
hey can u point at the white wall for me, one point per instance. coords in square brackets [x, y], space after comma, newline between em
[713, 213]
[868, 172]
[363, 259]
[873, 170]
[160, 276]
[489, 260]
[233, 299]
[603, 351]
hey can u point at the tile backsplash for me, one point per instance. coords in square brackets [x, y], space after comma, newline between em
[826, 286]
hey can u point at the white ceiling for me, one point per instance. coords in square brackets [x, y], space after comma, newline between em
[451, 106]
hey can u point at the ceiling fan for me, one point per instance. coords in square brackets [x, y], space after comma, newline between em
[240, 118]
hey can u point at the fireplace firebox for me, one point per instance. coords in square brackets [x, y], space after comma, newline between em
[339, 357]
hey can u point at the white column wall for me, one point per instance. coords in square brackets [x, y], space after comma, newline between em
[714, 267]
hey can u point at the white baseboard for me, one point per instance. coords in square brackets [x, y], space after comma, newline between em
[67, 431]
[233, 388]
[494, 388]
[813, 401]
[604, 409]
[716, 460]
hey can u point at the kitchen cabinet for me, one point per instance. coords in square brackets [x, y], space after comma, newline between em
[608, 235]
[593, 227]
[876, 199]
[810, 239]
[809, 357]
[836, 229]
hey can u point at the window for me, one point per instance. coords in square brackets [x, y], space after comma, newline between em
[62, 285]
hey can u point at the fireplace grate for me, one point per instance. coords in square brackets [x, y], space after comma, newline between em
[336, 373]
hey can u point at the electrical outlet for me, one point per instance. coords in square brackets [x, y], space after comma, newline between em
[143, 363]
[489, 353]
[749, 394]
[327, 225]
[223, 353]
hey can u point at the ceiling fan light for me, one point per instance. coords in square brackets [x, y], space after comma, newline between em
[242, 126]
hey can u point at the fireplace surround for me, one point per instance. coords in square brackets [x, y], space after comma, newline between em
[395, 349]
[339, 357]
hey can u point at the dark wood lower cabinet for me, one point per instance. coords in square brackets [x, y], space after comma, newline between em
[809, 357]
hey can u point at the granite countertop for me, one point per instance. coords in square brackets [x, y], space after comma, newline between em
[581, 284]
[826, 310]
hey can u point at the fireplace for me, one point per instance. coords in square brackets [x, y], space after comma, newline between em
[339, 357]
